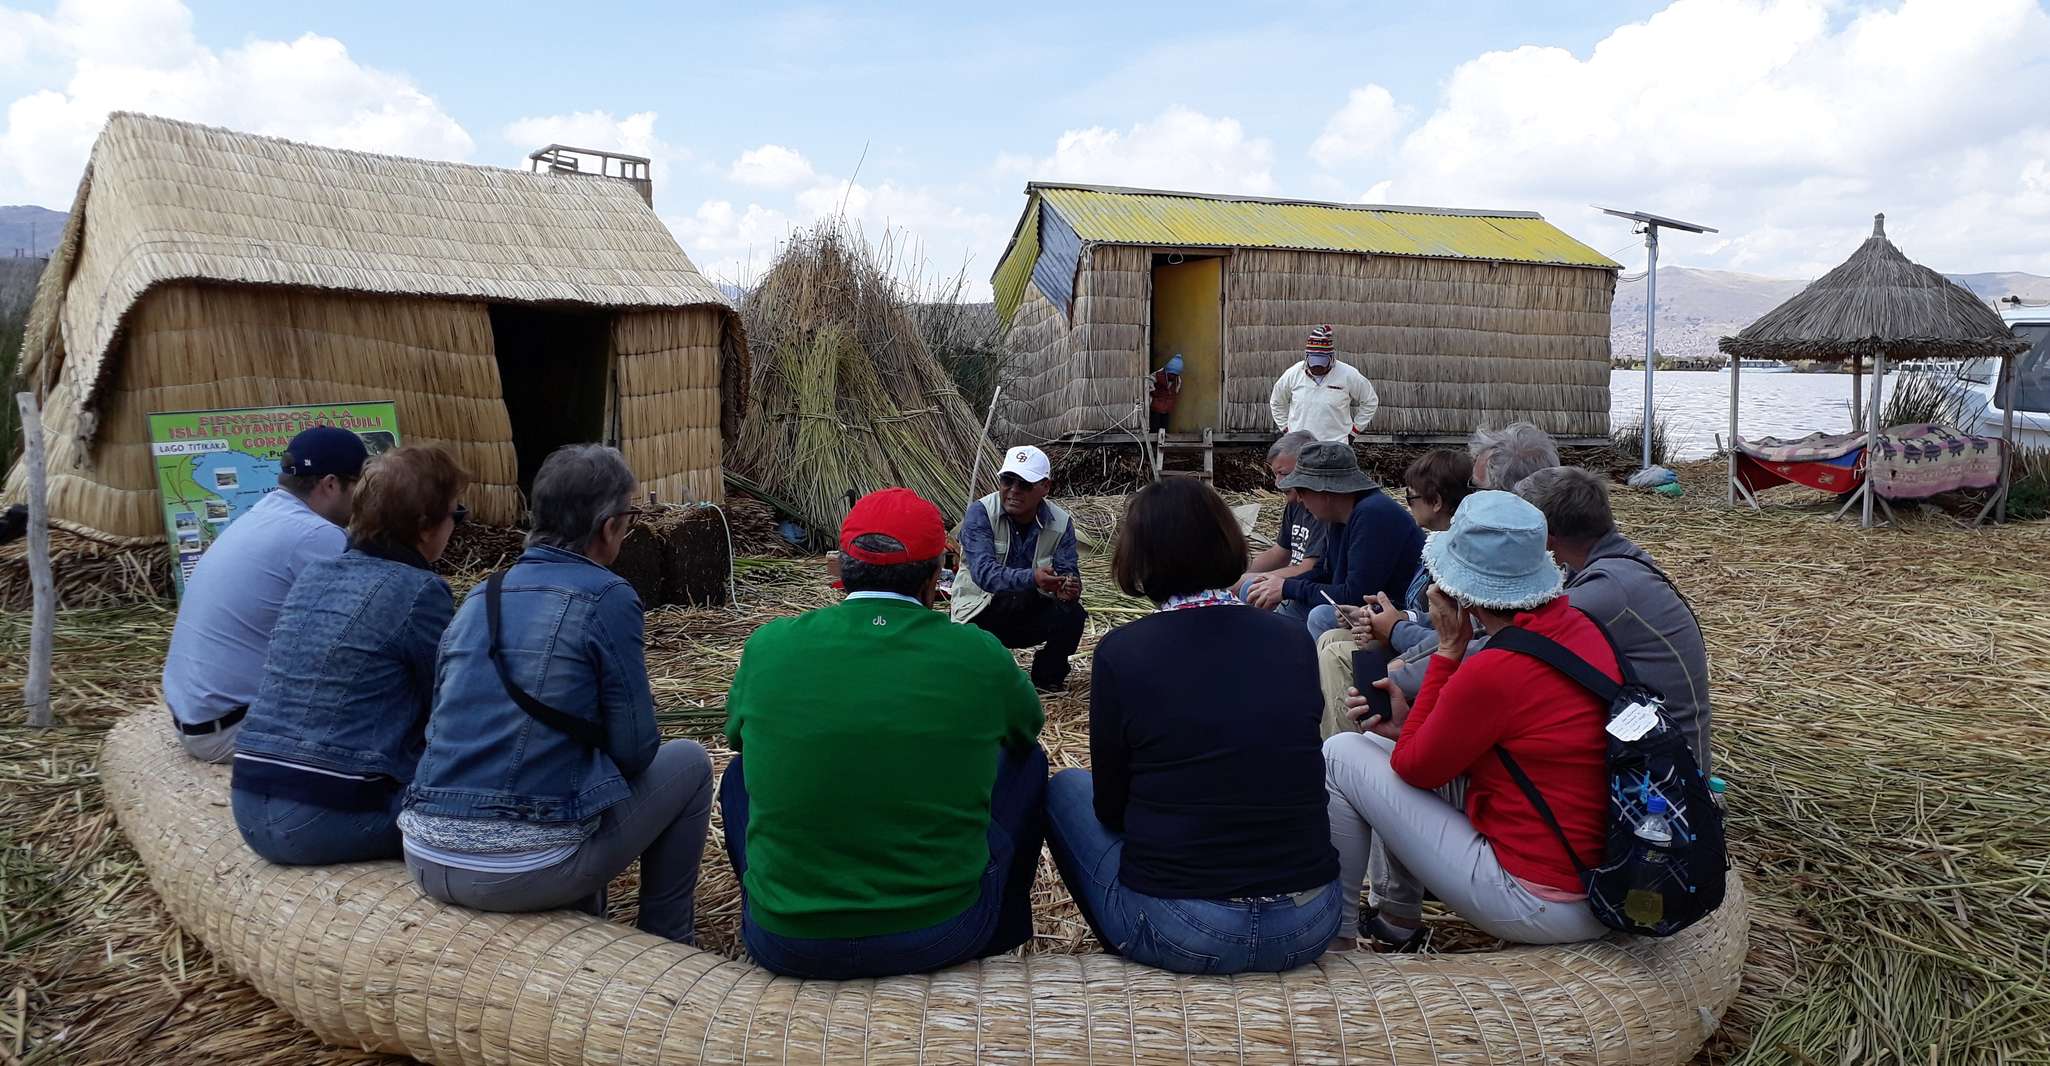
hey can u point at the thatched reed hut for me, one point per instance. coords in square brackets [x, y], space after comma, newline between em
[505, 313]
[1459, 317]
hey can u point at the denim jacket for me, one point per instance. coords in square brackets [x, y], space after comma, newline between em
[350, 671]
[571, 636]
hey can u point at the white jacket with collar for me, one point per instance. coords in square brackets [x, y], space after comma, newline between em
[1335, 408]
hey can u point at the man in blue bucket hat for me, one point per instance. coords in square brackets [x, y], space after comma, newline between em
[1167, 388]
[1421, 801]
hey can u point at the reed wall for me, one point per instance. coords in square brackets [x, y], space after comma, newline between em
[668, 365]
[209, 347]
[1450, 344]
[1085, 376]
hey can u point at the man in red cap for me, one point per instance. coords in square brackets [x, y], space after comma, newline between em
[891, 814]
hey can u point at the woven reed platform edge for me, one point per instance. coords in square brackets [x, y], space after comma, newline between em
[360, 957]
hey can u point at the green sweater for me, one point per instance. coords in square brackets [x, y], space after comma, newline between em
[870, 731]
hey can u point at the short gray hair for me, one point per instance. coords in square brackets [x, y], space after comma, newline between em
[1291, 444]
[1575, 503]
[578, 487]
[1508, 455]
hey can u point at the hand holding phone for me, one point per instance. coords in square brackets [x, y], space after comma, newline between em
[1368, 666]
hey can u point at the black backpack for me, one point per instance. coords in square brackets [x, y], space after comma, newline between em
[1640, 887]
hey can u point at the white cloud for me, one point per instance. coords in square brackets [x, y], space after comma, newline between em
[1359, 130]
[141, 55]
[634, 134]
[1786, 123]
[1180, 149]
[771, 166]
[728, 243]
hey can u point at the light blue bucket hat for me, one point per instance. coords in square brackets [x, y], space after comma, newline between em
[1494, 555]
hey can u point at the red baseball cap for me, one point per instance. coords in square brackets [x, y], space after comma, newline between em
[902, 515]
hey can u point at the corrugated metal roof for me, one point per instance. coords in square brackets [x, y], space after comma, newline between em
[1145, 216]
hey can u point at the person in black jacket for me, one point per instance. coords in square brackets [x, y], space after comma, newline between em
[1200, 841]
[1373, 546]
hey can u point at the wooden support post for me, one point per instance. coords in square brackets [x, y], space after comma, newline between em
[1730, 452]
[35, 694]
[1857, 391]
[1872, 431]
[2006, 433]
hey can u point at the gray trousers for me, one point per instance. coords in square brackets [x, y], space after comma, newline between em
[662, 822]
[1413, 841]
[217, 746]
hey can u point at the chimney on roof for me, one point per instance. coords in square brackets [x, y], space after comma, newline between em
[566, 159]
[1879, 224]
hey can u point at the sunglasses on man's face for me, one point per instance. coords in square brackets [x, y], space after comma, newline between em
[1013, 481]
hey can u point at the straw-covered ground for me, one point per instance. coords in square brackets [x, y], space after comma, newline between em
[1880, 714]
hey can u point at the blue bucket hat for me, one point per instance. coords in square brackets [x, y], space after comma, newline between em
[1494, 555]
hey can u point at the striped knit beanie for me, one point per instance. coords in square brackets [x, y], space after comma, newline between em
[1318, 348]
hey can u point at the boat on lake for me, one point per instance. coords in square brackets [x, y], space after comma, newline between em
[1761, 366]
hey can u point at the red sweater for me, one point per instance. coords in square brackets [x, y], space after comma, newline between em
[1551, 726]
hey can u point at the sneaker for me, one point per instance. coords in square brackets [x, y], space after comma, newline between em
[1385, 936]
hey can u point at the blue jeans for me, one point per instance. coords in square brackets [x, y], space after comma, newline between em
[1323, 619]
[998, 921]
[292, 832]
[1287, 608]
[1214, 936]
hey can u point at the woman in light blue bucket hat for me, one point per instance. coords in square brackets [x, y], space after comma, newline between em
[1420, 802]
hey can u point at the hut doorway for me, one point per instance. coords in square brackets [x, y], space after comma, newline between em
[1188, 320]
[552, 369]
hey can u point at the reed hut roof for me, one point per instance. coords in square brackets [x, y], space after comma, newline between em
[1063, 218]
[174, 201]
[1878, 300]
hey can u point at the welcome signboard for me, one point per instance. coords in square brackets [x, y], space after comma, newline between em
[213, 466]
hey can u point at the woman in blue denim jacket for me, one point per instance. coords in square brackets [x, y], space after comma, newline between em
[323, 759]
[544, 775]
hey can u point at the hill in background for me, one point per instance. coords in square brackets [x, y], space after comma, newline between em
[1698, 307]
[29, 231]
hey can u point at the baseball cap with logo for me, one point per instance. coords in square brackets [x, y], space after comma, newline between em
[324, 450]
[1028, 463]
[901, 515]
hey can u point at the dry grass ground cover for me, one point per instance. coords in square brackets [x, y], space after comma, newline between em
[1880, 714]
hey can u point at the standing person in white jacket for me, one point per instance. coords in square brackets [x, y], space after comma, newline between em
[1321, 395]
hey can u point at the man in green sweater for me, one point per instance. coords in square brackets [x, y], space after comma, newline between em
[893, 803]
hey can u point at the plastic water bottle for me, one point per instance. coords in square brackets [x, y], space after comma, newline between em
[1645, 902]
[1717, 792]
[1654, 829]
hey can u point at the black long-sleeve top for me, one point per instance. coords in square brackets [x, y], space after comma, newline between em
[1203, 735]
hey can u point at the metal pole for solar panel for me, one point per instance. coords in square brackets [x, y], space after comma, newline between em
[1651, 224]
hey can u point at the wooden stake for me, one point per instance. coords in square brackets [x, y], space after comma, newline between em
[35, 694]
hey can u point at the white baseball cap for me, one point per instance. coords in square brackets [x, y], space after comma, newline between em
[1028, 463]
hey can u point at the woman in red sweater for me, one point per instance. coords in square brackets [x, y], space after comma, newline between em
[1424, 800]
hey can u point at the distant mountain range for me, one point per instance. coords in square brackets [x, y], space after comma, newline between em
[29, 231]
[1698, 307]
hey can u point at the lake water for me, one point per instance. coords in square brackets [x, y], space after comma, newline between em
[1696, 404]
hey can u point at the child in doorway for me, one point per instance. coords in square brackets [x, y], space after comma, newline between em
[1167, 388]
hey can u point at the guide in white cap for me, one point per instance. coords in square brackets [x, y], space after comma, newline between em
[1021, 576]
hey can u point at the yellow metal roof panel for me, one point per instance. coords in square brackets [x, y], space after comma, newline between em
[1151, 217]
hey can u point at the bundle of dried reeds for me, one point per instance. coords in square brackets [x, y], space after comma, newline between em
[846, 397]
[90, 573]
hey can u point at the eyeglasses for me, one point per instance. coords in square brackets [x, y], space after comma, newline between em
[460, 515]
[1012, 481]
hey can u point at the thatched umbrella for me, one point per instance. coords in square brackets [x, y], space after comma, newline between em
[1878, 304]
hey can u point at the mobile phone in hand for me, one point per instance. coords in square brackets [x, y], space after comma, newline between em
[1368, 666]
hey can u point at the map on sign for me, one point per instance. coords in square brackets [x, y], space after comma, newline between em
[213, 466]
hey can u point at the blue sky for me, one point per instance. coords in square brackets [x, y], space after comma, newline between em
[1785, 122]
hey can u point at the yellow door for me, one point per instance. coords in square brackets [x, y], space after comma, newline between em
[1188, 316]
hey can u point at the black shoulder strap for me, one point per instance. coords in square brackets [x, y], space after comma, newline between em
[583, 731]
[1537, 800]
[1555, 655]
